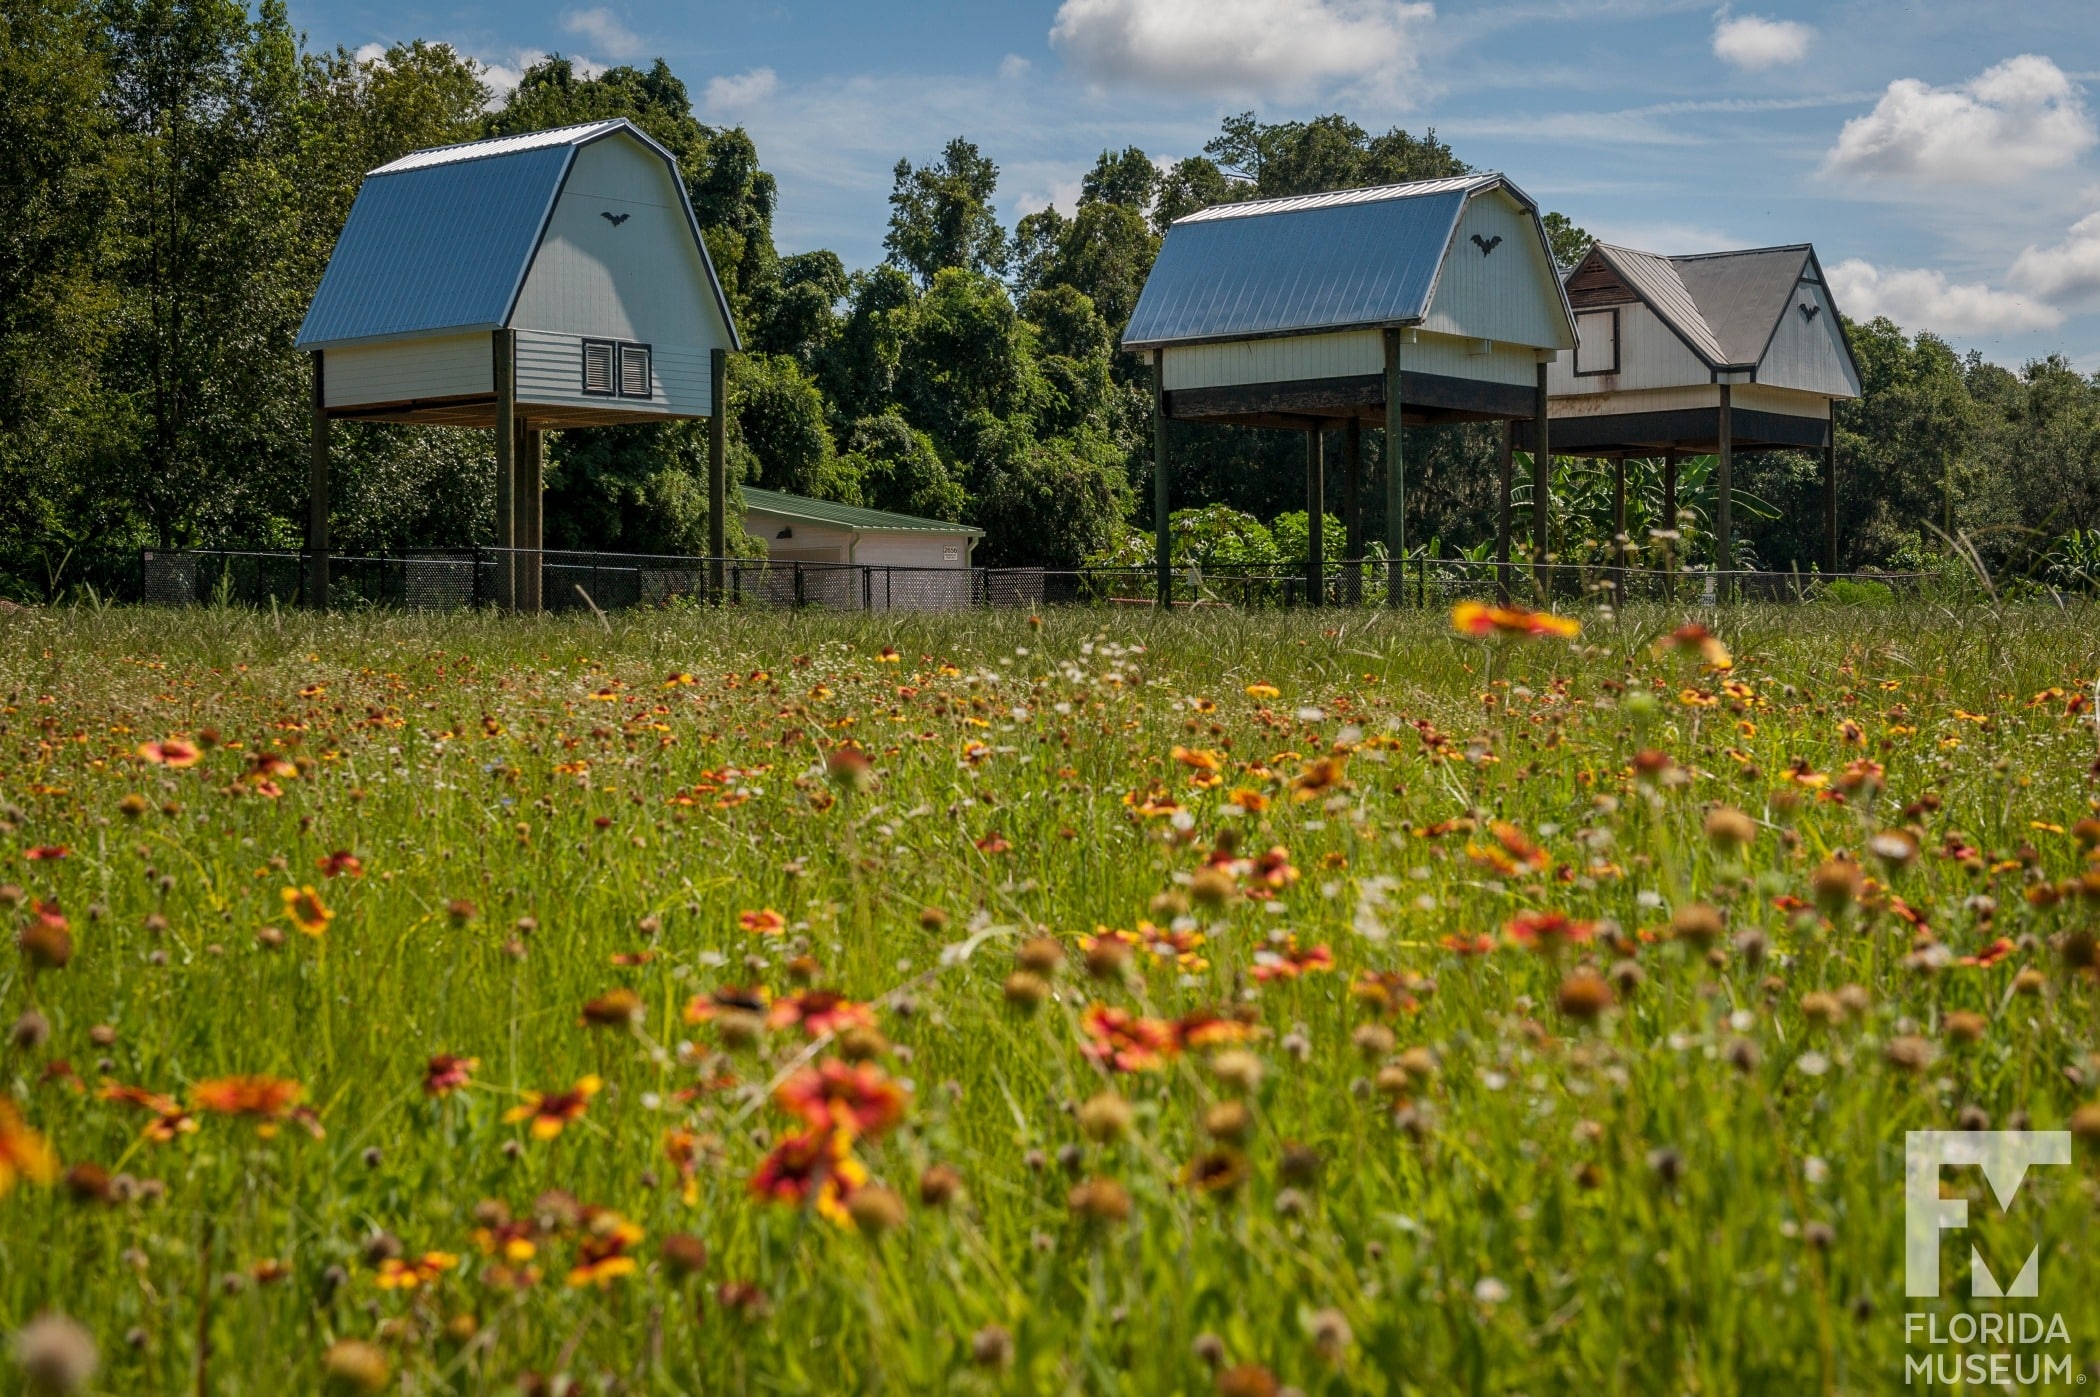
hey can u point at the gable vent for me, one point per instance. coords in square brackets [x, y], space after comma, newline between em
[634, 371]
[598, 368]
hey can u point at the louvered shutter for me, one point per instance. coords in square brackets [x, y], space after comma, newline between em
[634, 371]
[598, 368]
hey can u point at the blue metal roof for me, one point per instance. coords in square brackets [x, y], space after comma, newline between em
[440, 240]
[442, 247]
[1355, 258]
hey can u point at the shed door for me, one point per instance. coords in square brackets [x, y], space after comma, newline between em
[1597, 342]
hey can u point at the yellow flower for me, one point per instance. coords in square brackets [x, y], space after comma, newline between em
[304, 906]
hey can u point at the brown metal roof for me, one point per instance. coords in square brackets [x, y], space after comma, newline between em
[1723, 304]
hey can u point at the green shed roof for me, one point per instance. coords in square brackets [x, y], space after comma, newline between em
[847, 516]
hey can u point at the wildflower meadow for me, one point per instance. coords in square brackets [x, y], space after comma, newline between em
[1480, 1001]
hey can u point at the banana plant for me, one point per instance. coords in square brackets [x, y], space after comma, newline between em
[1579, 512]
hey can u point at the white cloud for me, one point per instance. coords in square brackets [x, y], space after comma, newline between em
[2013, 119]
[504, 74]
[1754, 43]
[604, 29]
[1014, 66]
[369, 53]
[1919, 298]
[1241, 48]
[743, 90]
[2070, 271]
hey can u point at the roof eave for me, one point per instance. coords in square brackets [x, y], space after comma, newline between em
[1334, 328]
[305, 345]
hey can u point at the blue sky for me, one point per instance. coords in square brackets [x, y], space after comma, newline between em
[1943, 156]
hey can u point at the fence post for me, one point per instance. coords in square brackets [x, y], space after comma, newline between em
[801, 595]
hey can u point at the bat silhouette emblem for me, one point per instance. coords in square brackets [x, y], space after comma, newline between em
[615, 219]
[1487, 245]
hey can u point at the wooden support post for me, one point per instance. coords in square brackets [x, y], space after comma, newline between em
[1830, 493]
[504, 346]
[1162, 540]
[717, 470]
[1541, 483]
[1315, 517]
[1505, 472]
[1395, 477]
[1353, 507]
[317, 497]
[526, 499]
[1724, 488]
[1618, 527]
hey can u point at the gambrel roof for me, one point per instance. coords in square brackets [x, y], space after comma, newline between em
[439, 241]
[1725, 306]
[1347, 260]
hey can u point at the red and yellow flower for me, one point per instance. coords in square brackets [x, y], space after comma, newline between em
[552, 1111]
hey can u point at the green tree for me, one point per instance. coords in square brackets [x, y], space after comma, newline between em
[899, 470]
[778, 415]
[1570, 243]
[941, 215]
[204, 102]
[58, 490]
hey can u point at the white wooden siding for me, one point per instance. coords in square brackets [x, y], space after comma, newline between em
[1347, 354]
[1511, 294]
[1651, 356]
[912, 550]
[441, 366]
[1806, 353]
[550, 372]
[640, 279]
[1750, 397]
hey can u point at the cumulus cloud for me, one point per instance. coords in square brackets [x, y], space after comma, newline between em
[504, 74]
[2011, 120]
[1920, 298]
[2069, 271]
[605, 31]
[1240, 48]
[369, 53]
[1754, 43]
[728, 94]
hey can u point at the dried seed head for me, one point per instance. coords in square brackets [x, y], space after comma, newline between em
[2085, 1123]
[1238, 1069]
[1104, 1117]
[1229, 1121]
[1209, 1349]
[1108, 958]
[1041, 955]
[56, 1354]
[1331, 1335]
[1025, 991]
[2029, 981]
[1373, 1040]
[1419, 1063]
[1667, 1165]
[1835, 885]
[1729, 829]
[1964, 1026]
[684, 1254]
[940, 1185]
[1168, 905]
[1697, 923]
[991, 1347]
[353, 1366]
[1211, 888]
[1099, 1200]
[876, 1210]
[30, 1032]
[1584, 995]
[1819, 1007]
[1909, 1053]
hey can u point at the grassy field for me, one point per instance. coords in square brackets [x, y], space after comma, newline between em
[1226, 1003]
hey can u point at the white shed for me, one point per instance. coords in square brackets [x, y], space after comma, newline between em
[854, 557]
[556, 279]
[1714, 352]
[1431, 302]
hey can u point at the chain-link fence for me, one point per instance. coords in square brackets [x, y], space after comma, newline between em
[452, 579]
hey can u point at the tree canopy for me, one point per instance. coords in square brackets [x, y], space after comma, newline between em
[178, 171]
